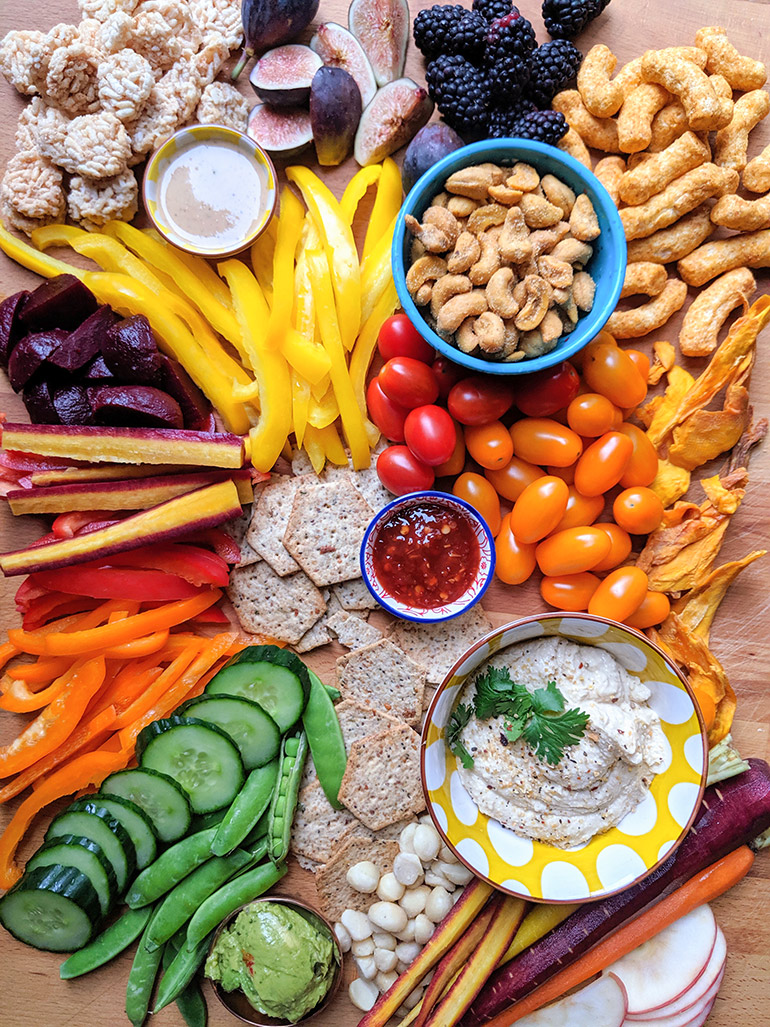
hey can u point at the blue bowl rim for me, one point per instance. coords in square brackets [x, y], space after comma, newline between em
[576, 339]
[426, 496]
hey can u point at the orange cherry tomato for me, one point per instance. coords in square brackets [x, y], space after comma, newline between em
[620, 594]
[603, 463]
[707, 706]
[610, 371]
[511, 480]
[539, 508]
[640, 360]
[565, 473]
[570, 591]
[643, 465]
[620, 546]
[654, 609]
[592, 414]
[456, 462]
[580, 510]
[489, 444]
[541, 440]
[572, 551]
[515, 560]
[482, 497]
[638, 510]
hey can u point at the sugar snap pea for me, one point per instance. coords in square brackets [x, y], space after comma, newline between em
[141, 979]
[324, 735]
[235, 893]
[170, 868]
[180, 972]
[284, 802]
[105, 946]
[190, 1002]
[334, 693]
[246, 808]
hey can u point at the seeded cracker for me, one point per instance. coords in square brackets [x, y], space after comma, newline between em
[354, 595]
[317, 826]
[352, 630]
[382, 779]
[382, 677]
[269, 520]
[334, 893]
[237, 530]
[266, 604]
[437, 647]
[356, 722]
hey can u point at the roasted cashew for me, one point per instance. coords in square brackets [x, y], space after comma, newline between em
[559, 193]
[538, 295]
[447, 287]
[490, 259]
[425, 269]
[505, 195]
[486, 331]
[466, 252]
[567, 308]
[523, 177]
[440, 200]
[583, 290]
[533, 344]
[557, 273]
[455, 310]
[572, 251]
[515, 243]
[486, 217]
[474, 181]
[416, 250]
[462, 206]
[551, 327]
[544, 239]
[539, 212]
[511, 342]
[500, 293]
[423, 294]
[438, 231]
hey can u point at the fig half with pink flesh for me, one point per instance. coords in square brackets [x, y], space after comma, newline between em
[335, 110]
[282, 76]
[283, 133]
[393, 117]
[135, 405]
[339, 48]
[382, 29]
[61, 302]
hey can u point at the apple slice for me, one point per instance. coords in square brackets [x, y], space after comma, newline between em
[127, 445]
[600, 1004]
[664, 967]
[692, 1017]
[694, 994]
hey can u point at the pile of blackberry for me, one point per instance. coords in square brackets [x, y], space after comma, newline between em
[486, 73]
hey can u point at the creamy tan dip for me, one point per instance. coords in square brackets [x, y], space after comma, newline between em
[599, 780]
[212, 194]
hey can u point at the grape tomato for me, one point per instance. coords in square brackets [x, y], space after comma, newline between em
[539, 508]
[515, 560]
[602, 465]
[447, 374]
[479, 400]
[569, 591]
[620, 546]
[388, 416]
[607, 369]
[572, 551]
[511, 480]
[638, 510]
[430, 433]
[400, 471]
[545, 392]
[592, 414]
[409, 382]
[399, 338]
[654, 609]
[480, 494]
[490, 445]
[642, 467]
[620, 594]
[541, 440]
[456, 462]
[580, 510]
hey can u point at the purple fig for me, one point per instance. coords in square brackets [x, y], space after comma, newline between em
[196, 409]
[61, 302]
[393, 117]
[72, 405]
[282, 76]
[130, 350]
[382, 28]
[339, 48]
[335, 110]
[135, 406]
[10, 318]
[431, 143]
[283, 133]
[269, 23]
[39, 403]
[30, 353]
[85, 342]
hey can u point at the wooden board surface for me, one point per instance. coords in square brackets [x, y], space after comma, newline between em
[32, 994]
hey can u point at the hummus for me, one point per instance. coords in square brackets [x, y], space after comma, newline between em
[599, 780]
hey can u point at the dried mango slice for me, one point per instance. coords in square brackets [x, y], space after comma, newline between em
[670, 483]
[664, 358]
[723, 719]
[707, 433]
[680, 384]
[696, 609]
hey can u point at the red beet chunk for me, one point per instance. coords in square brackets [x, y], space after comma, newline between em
[98, 372]
[29, 354]
[130, 350]
[72, 405]
[10, 317]
[196, 409]
[135, 406]
[61, 302]
[85, 342]
[39, 403]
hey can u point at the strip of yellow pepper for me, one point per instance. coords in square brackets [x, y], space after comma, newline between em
[357, 188]
[387, 204]
[34, 260]
[199, 267]
[300, 405]
[306, 357]
[261, 254]
[376, 272]
[289, 229]
[272, 372]
[325, 411]
[332, 445]
[363, 351]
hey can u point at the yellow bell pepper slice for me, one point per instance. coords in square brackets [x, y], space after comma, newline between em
[376, 272]
[363, 351]
[261, 254]
[271, 370]
[320, 389]
[300, 405]
[387, 204]
[306, 357]
[332, 444]
[34, 260]
[357, 188]
[304, 307]
[340, 249]
[314, 448]
[199, 267]
[325, 411]
[289, 231]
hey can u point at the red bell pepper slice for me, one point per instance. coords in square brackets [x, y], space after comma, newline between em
[52, 606]
[117, 583]
[70, 524]
[196, 565]
[224, 545]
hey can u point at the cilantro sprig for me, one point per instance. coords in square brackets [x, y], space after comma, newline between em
[539, 717]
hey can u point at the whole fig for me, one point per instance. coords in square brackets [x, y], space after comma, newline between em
[335, 110]
[429, 145]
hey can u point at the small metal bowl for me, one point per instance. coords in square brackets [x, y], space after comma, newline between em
[235, 1002]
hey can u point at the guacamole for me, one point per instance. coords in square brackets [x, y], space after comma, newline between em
[282, 962]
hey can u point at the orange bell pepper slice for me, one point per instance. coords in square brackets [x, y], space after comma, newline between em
[145, 646]
[17, 698]
[41, 672]
[155, 690]
[7, 652]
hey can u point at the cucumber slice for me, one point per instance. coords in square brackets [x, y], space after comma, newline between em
[200, 757]
[271, 677]
[136, 822]
[254, 732]
[85, 855]
[161, 798]
[94, 822]
[52, 908]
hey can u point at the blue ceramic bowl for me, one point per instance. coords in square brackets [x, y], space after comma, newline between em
[470, 596]
[607, 265]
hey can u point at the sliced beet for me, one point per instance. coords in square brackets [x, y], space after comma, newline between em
[97, 371]
[39, 403]
[10, 318]
[30, 353]
[282, 76]
[72, 405]
[85, 342]
[135, 406]
[61, 302]
[196, 409]
[130, 350]
[282, 132]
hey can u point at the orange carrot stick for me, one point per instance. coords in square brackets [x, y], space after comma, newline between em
[704, 887]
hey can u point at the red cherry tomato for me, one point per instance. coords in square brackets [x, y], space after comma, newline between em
[399, 338]
[580, 510]
[609, 370]
[570, 591]
[430, 433]
[387, 415]
[545, 392]
[620, 546]
[541, 440]
[643, 465]
[638, 510]
[572, 551]
[447, 374]
[456, 462]
[479, 400]
[400, 471]
[489, 444]
[640, 360]
[409, 382]
[653, 610]
[482, 497]
[602, 465]
[539, 508]
[620, 594]
[591, 414]
[515, 560]
[511, 480]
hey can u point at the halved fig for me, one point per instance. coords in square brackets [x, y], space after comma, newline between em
[393, 117]
[196, 409]
[39, 403]
[431, 143]
[72, 405]
[339, 48]
[130, 351]
[335, 110]
[61, 302]
[10, 317]
[282, 76]
[85, 342]
[382, 29]
[135, 405]
[283, 133]
[30, 353]
[270, 22]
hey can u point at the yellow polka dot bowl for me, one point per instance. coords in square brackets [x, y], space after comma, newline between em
[610, 861]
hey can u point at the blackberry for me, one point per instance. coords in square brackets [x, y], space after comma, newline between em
[564, 19]
[502, 118]
[492, 9]
[460, 92]
[508, 79]
[450, 29]
[510, 38]
[544, 126]
[551, 68]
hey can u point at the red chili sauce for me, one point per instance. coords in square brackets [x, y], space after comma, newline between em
[426, 555]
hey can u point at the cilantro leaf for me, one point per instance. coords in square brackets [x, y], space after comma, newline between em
[513, 729]
[548, 700]
[497, 695]
[549, 735]
[459, 719]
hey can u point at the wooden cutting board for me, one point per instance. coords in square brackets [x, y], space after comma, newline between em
[32, 994]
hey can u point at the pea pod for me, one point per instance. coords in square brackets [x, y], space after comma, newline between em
[246, 808]
[105, 946]
[170, 868]
[235, 893]
[180, 972]
[324, 736]
[141, 979]
[284, 802]
[334, 693]
[190, 1002]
